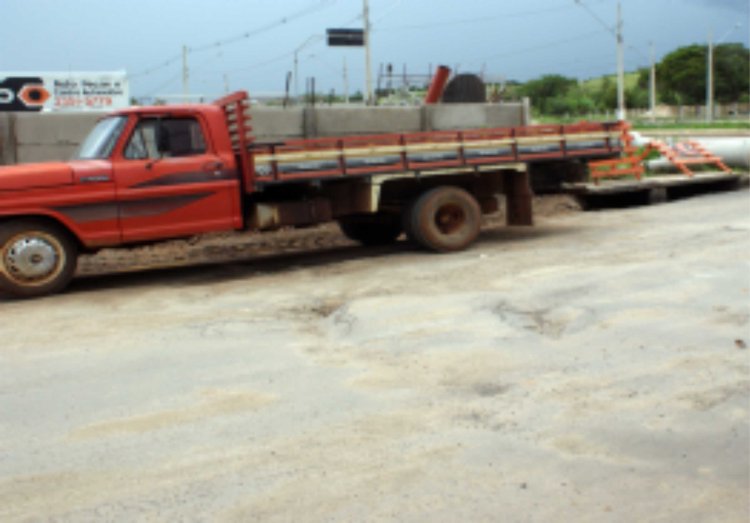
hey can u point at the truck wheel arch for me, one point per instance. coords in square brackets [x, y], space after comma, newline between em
[37, 257]
[51, 220]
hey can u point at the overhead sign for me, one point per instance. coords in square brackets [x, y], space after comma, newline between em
[346, 37]
[63, 91]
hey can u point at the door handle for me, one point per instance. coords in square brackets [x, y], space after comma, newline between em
[215, 168]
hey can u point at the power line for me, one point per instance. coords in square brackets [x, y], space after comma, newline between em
[609, 29]
[596, 17]
[395, 4]
[286, 55]
[277, 58]
[637, 50]
[321, 4]
[257, 65]
[540, 47]
[249, 34]
[154, 91]
[157, 67]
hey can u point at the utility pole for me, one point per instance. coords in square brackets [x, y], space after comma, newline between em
[617, 33]
[368, 64]
[620, 66]
[710, 79]
[346, 83]
[226, 83]
[185, 73]
[296, 77]
[652, 85]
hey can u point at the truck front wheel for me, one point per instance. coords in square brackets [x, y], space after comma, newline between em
[376, 229]
[36, 258]
[444, 219]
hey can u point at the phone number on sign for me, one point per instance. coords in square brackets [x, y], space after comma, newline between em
[83, 101]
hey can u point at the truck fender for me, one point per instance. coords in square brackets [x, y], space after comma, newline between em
[53, 218]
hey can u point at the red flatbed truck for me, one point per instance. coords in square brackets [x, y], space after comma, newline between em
[146, 174]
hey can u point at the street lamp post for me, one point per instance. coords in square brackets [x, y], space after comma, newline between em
[368, 64]
[652, 85]
[185, 72]
[620, 67]
[710, 79]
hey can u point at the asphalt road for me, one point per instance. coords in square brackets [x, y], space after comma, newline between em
[593, 368]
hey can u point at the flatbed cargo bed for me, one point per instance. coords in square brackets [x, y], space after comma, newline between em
[461, 151]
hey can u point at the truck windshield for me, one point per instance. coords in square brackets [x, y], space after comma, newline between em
[102, 139]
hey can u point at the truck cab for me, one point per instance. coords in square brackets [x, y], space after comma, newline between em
[142, 174]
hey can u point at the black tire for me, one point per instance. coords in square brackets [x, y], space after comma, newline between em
[36, 258]
[377, 229]
[406, 219]
[445, 219]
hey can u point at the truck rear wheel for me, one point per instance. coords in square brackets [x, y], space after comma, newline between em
[36, 258]
[377, 229]
[444, 219]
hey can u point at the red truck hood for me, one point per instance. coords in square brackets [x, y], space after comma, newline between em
[34, 175]
[53, 174]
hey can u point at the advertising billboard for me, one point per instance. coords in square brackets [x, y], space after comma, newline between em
[97, 91]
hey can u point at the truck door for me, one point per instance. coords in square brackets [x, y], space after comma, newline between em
[170, 183]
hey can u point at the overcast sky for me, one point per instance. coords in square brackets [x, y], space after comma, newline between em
[251, 43]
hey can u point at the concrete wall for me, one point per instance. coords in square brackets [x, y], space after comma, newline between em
[276, 123]
[34, 137]
[7, 140]
[52, 136]
[467, 116]
[332, 121]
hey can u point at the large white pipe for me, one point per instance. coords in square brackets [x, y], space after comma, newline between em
[733, 151]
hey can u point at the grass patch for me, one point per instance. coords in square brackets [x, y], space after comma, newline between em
[641, 125]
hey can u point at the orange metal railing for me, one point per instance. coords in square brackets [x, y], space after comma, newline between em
[681, 155]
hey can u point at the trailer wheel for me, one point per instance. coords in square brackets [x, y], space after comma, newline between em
[36, 258]
[378, 229]
[445, 219]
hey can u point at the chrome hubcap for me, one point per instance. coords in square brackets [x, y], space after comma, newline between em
[31, 258]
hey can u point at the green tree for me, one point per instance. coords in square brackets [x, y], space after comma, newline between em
[732, 72]
[643, 77]
[574, 102]
[681, 75]
[544, 89]
[637, 97]
[605, 96]
[513, 90]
